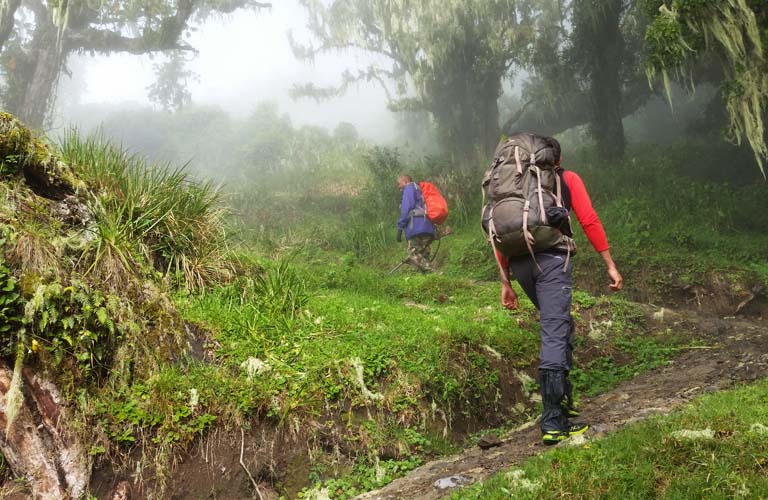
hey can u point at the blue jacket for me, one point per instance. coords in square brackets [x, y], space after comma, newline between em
[416, 224]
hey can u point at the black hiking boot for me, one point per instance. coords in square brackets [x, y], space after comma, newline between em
[557, 436]
[555, 426]
[568, 406]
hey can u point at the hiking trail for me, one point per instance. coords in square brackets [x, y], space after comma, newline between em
[735, 350]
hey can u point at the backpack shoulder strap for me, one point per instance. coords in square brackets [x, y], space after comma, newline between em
[419, 194]
[421, 206]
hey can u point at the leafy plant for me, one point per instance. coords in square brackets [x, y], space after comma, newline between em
[77, 321]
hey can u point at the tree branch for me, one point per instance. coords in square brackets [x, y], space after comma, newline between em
[103, 41]
[165, 38]
[325, 93]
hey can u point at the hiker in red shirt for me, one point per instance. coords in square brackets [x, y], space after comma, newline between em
[546, 278]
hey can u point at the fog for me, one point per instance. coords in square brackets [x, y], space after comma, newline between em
[554, 69]
[243, 59]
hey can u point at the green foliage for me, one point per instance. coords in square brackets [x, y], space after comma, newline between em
[304, 198]
[683, 30]
[172, 407]
[279, 291]
[11, 309]
[665, 201]
[21, 150]
[366, 475]
[78, 322]
[656, 458]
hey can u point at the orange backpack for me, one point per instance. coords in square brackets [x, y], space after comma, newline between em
[436, 206]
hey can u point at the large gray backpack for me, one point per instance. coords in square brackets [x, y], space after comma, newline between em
[522, 184]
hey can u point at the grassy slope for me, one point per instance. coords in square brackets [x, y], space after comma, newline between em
[420, 341]
[427, 347]
[422, 338]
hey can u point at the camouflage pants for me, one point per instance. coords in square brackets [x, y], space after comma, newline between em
[418, 251]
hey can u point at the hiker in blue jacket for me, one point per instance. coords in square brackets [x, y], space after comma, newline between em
[419, 231]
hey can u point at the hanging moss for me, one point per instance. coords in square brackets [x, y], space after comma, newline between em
[682, 30]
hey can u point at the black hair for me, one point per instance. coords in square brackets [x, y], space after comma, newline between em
[556, 148]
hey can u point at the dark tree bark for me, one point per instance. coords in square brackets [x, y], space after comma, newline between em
[605, 90]
[48, 62]
[7, 12]
[469, 121]
[598, 49]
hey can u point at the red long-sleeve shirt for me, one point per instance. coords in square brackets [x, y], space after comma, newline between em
[581, 205]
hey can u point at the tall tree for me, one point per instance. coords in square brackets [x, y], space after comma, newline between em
[598, 46]
[47, 32]
[447, 57]
[587, 70]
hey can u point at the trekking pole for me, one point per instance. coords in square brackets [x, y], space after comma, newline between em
[398, 266]
[404, 260]
[434, 255]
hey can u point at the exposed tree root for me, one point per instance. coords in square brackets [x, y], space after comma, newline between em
[38, 446]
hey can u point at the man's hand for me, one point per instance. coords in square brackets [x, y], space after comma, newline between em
[508, 297]
[399, 235]
[613, 272]
[616, 280]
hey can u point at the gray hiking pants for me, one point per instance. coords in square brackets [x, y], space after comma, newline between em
[550, 291]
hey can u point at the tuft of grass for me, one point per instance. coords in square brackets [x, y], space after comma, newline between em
[152, 214]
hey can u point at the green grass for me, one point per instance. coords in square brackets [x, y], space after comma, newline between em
[424, 345]
[404, 330]
[147, 213]
[669, 226]
[654, 459]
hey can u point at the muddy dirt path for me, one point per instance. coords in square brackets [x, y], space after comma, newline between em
[736, 350]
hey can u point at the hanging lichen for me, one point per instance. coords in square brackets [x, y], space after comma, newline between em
[683, 30]
[14, 398]
[60, 15]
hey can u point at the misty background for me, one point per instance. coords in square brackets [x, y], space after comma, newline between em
[243, 63]
[240, 76]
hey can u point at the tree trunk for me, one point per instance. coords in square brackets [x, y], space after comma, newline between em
[606, 125]
[38, 447]
[601, 45]
[39, 90]
[8, 10]
[467, 118]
